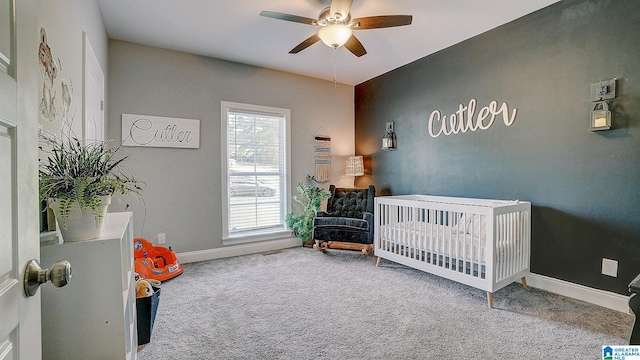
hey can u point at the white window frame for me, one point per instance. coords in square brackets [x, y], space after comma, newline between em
[257, 235]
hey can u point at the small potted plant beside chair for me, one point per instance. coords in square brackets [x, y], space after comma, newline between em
[302, 223]
[77, 179]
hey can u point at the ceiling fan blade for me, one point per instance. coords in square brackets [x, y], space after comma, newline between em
[305, 44]
[355, 46]
[342, 7]
[288, 17]
[377, 22]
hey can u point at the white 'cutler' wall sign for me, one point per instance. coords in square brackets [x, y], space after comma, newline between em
[157, 131]
[465, 119]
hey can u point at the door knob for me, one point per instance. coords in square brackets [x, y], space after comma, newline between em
[34, 275]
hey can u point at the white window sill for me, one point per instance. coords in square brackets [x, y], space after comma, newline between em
[249, 237]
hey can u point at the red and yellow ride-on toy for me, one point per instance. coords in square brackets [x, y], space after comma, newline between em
[155, 262]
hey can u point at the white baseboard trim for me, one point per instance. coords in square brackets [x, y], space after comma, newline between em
[580, 292]
[237, 250]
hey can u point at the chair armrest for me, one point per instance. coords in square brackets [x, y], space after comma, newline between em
[368, 217]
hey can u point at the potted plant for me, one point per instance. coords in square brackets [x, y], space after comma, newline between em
[310, 198]
[77, 180]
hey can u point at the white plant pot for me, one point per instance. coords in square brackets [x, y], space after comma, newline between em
[81, 225]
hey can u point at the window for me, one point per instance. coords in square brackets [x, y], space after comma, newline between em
[255, 171]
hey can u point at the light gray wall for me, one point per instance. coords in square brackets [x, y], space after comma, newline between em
[183, 194]
[65, 21]
[583, 185]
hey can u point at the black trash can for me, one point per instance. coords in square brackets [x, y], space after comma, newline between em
[146, 309]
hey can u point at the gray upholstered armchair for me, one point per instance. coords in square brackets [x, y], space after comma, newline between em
[347, 224]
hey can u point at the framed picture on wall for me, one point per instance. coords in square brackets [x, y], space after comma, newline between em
[158, 131]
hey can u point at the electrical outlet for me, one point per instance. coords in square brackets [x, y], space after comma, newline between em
[162, 239]
[609, 267]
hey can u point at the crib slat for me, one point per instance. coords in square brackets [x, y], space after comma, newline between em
[423, 230]
[473, 249]
[520, 236]
[499, 233]
[415, 234]
[436, 249]
[512, 244]
[449, 236]
[405, 239]
[508, 264]
[464, 242]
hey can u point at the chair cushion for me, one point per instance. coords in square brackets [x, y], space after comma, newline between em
[343, 229]
[344, 234]
[349, 203]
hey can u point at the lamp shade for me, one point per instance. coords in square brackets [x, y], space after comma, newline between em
[335, 35]
[355, 166]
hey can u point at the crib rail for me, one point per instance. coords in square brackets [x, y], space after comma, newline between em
[481, 243]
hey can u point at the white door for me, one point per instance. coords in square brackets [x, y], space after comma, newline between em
[93, 99]
[20, 335]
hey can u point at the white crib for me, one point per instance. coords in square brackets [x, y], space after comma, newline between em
[478, 242]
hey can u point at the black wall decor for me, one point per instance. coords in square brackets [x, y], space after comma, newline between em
[584, 186]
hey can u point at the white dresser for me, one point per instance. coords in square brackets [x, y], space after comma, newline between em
[94, 316]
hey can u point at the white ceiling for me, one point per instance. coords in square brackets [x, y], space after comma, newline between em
[234, 30]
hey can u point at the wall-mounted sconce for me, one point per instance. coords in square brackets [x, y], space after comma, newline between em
[389, 138]
[603, 90]
[355, 166]
[600, 118]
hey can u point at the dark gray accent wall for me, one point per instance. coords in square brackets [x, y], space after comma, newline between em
[584, 186]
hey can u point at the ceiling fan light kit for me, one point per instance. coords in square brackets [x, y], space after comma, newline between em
[336, 27]
[335, 35]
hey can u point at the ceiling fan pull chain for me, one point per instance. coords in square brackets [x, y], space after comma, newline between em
[334, 68]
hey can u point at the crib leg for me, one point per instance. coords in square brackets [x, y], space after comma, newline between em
[524, 283]
[490, 299]
[378, 262]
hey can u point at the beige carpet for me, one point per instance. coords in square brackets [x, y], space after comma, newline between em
[302, 304]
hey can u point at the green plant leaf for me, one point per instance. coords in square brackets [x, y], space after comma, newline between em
[310, 198]
[75, 170]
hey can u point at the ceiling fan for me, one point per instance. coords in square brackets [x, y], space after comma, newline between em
[336, 26]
